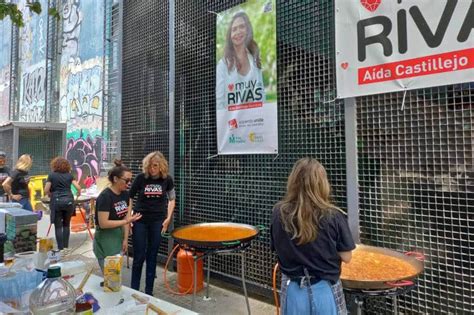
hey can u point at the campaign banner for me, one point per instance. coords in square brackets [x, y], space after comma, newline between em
[246, 79]
[386, 45]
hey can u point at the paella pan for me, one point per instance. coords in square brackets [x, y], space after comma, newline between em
[380, 268]
[219, 235]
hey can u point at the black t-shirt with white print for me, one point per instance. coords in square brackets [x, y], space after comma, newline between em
[152, 196]
[116, 205]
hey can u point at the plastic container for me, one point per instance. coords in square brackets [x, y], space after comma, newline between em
[53, 296]
[69, 269]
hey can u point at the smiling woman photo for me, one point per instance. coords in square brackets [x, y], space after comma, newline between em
[239, 71]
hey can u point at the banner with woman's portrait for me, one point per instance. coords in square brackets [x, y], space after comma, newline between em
[246, 79]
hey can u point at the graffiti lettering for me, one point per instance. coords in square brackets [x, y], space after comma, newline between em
[4, 93]
[34, 86]
[82, 102]
[72, 19]
[85, 156]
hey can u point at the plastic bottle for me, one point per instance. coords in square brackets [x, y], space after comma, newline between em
[53, 296]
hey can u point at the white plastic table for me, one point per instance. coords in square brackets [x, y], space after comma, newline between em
[109, 301]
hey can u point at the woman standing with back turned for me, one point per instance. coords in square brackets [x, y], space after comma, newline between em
[154, 190]
[311, 238]
[58, 188]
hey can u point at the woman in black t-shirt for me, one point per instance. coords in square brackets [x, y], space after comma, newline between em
[58, 188]
[112, 216]
[311, 237]
[155, 201]
[16, 185]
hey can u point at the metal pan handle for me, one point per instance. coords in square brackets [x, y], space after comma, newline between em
[262, 230]
[231, 243]
[166, 235]
[418, 256]
[400, 283]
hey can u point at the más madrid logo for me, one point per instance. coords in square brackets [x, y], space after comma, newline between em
[233, 139]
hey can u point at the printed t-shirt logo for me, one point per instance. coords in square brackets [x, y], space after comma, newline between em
[121, 208]
[153, 190]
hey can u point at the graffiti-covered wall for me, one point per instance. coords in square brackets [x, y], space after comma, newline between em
[5, 59]
[81, 84]
[32, 64]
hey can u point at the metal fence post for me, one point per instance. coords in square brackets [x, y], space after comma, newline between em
[351, 167]
[171, 108]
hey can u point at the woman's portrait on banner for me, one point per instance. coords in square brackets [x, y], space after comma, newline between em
[246, 95]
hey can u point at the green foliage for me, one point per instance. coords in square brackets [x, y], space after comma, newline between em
[264, 33]
[11, 10]
[34, 7]
[54, 13]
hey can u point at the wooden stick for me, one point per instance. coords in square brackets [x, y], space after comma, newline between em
[155, 309]
[140, 299]
[84, 280]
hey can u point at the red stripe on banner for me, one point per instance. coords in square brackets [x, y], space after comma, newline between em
[440, 63]
[245, 106]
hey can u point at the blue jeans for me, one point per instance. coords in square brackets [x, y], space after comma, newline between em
[295, 299]
[26, 204]
[146, 239]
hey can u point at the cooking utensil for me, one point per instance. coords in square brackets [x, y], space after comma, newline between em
[219, 235]
[412, 258]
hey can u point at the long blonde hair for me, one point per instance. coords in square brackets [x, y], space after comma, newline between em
[307, 200]
[24, 163]
[162, 162]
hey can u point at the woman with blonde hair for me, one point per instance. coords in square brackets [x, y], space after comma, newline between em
[58, 188]
[311, 237]
[155, 201]
[16, 185]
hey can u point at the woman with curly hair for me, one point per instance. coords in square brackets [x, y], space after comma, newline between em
[58, 188]
[155, 201]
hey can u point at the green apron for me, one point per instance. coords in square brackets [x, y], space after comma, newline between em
[108, 242]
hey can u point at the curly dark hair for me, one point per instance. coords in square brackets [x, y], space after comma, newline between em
[60, 165]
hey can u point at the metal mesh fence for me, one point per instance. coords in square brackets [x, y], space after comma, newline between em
[240, 188]
[43, 146]
[112, 100]
[6, 145]
[415, 175]
[415, 164]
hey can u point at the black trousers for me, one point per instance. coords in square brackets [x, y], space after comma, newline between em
[62, 221]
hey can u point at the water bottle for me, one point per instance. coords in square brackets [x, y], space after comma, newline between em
[54, 295]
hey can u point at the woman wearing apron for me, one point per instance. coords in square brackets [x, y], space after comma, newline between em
[311, 238]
